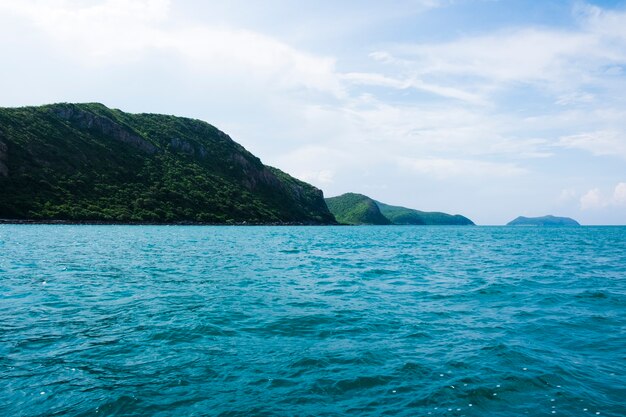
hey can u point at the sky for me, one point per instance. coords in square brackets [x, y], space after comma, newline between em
[487, 108]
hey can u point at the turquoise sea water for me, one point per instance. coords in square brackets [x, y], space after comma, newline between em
[318, 321]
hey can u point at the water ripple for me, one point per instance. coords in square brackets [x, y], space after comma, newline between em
[312, 321]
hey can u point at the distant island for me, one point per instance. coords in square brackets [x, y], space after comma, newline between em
[358, 209]
[89, 163]
[543, 221]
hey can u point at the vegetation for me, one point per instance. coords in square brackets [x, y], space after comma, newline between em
[543, 221]
[353, 208]
[403, 215]
[86, 162]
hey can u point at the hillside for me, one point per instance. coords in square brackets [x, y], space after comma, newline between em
[354, 208]
[403, 215]
[543, 221]
[86, 162]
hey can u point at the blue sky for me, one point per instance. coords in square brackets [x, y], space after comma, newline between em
[488, 108]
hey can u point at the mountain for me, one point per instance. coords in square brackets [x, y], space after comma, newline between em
[403, 215]
[543, 221]
[86, 162]
[354, 208]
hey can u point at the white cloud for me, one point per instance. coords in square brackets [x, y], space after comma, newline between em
[619, 194]
[567, 195]
[595, 199]
[324, 176]
[113, 31]
[604, 142]
[97, 31]
[521, 55]
[256, 55]
[419, 130]
[600, 21]
[414, 83]
[449, 168]
[316, 163]
[576, 67]
[576, 97]
[592, 199]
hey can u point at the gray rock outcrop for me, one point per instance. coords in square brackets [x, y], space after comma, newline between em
[105, 126]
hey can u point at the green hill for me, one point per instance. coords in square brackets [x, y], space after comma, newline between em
[86, 162]
[543, 221]
[354, 208]
[403, 215]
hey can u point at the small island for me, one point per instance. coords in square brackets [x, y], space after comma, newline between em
[543, 221]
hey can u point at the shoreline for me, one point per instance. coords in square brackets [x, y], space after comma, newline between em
[149, 223]
[191, 223]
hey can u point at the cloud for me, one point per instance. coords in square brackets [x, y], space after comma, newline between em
[316, 163]
[374, 79]
[594, 199]
[99, 30]
[526, 55]
[568, 58]
[463, 73]
[603, 142]
[576, 97]
[450, 129]
[324, 176]
[449, 168]
[609, 23]
[499, 89]
[619, 194]
[567, 195]
[114, 31]
[580, 66]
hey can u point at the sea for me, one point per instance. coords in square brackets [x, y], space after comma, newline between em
[312, 321]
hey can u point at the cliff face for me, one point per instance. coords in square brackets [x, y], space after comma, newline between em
[101, 125]
[88, 162]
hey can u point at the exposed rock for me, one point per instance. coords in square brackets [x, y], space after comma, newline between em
[104, 125]
[298, 193]
[183, 146]
[260, 176]
[256, 176]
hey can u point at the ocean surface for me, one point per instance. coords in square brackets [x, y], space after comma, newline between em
[312, 321]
